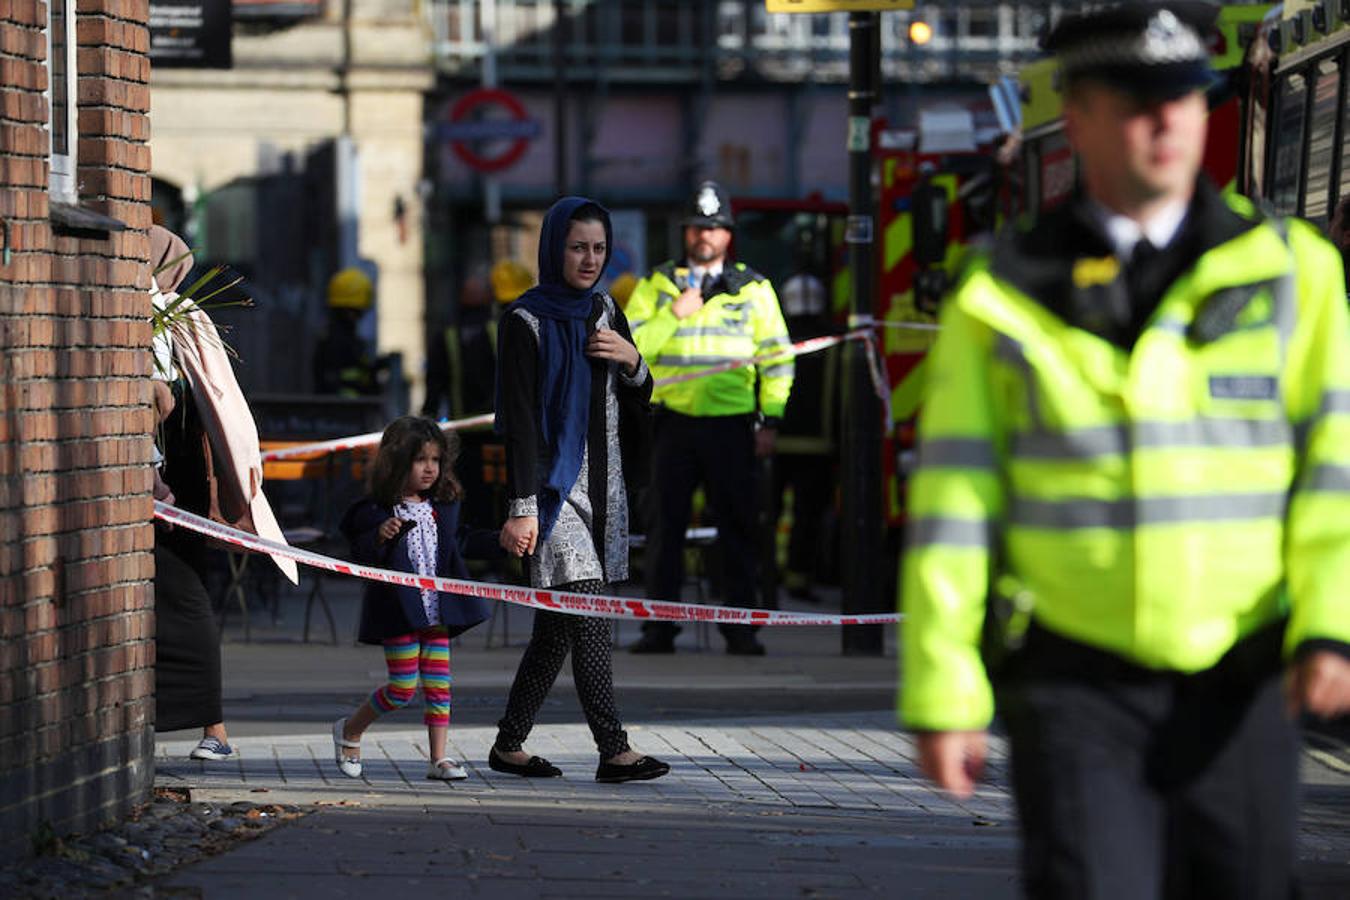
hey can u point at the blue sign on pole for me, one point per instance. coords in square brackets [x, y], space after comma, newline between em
[488, 130]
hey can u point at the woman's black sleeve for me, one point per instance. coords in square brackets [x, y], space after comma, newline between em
[519, 407]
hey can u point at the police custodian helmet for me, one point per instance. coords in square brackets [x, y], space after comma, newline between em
[1151, 49]
[710, 207]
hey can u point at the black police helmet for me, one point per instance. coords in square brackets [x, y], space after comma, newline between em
[1149, 49]
[710, 207]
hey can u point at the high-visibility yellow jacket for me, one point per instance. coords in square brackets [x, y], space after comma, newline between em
[741, 320]
[1159, 504]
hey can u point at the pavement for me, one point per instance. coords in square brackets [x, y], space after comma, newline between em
[789, 778]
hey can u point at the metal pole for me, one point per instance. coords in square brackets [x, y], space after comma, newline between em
[862, 550]
[492, 186]
[559, 102]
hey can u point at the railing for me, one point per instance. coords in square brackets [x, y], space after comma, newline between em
[685, 40]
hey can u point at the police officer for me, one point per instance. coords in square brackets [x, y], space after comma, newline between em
[343, 363]
[688, 316]
[1134, 480]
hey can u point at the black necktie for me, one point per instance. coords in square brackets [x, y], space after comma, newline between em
[707, 287]
[1139, 270]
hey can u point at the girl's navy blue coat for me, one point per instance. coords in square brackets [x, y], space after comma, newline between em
[390, 610]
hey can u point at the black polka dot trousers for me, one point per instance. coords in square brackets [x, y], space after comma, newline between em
[554, 635]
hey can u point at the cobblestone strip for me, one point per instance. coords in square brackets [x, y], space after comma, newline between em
[753, 782]
[893, 747]
[796, 761]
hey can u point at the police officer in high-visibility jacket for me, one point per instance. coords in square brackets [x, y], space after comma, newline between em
[1133, 495]
[688, 316]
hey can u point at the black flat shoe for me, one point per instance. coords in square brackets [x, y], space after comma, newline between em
[645, 769]
[537, 767]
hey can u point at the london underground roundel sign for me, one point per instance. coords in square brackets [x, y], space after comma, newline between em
[464, 130]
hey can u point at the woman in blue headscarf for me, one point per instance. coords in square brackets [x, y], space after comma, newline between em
[573, 397]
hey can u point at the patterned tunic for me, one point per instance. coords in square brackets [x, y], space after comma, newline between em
[422, 548]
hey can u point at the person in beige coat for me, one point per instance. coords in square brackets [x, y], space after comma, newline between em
[209, 463]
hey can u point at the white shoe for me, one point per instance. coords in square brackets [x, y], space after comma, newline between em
[349, 765]
[446, 770]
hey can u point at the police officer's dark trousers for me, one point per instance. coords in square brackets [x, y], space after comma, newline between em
[1132, 783]
[719, 453]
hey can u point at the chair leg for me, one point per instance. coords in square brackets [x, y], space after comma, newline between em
[316, 591]
[238, 563]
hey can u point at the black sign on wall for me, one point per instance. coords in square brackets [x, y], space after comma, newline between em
[190, 33]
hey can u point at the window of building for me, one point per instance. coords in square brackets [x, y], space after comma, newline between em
[61, 94]
[1344, 187]
[1322, 140]
[1288, 159]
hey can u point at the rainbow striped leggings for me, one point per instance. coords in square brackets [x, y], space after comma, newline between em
[425, 653]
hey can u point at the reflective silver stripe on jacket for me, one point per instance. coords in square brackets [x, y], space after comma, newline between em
[958, 453]
[1329, 479]
[691, 331]
[671, 360]
[1143, 511]
[945, 532]
[1109, 440]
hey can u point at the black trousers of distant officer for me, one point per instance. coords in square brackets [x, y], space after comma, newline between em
[1133, 783]
[719, 453]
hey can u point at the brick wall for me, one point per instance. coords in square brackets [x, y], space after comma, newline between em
[76, 543]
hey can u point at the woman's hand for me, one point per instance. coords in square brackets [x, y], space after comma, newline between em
[162, 399]
[606, 343]
[162, 491]
[389, 528]
[164, 495]
[519, 535]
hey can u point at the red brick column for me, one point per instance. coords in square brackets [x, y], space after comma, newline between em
[76, 543]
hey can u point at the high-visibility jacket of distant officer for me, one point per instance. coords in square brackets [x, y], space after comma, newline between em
[739, 318]
[688, 316]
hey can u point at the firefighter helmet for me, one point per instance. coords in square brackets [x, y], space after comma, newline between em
[350, 289]
[621, 288]
[510, 279]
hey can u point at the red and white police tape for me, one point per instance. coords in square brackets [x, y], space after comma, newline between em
[801, 348]
[361, 440]
[595, 605]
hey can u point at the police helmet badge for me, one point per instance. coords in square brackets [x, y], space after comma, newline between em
[708, 204]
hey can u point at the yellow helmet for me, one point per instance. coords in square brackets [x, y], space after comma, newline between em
[510, 279]
[621, 288]
[350, 289]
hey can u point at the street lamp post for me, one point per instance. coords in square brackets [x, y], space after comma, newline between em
[862, 544]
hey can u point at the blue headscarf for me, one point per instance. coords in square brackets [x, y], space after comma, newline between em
[564, 370]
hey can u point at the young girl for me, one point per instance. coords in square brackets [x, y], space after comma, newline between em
[410, 522]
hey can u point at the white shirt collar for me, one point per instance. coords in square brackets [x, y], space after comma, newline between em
[1124, 232]
[696, 273]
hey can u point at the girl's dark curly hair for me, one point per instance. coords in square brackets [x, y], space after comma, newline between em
[399, 446]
